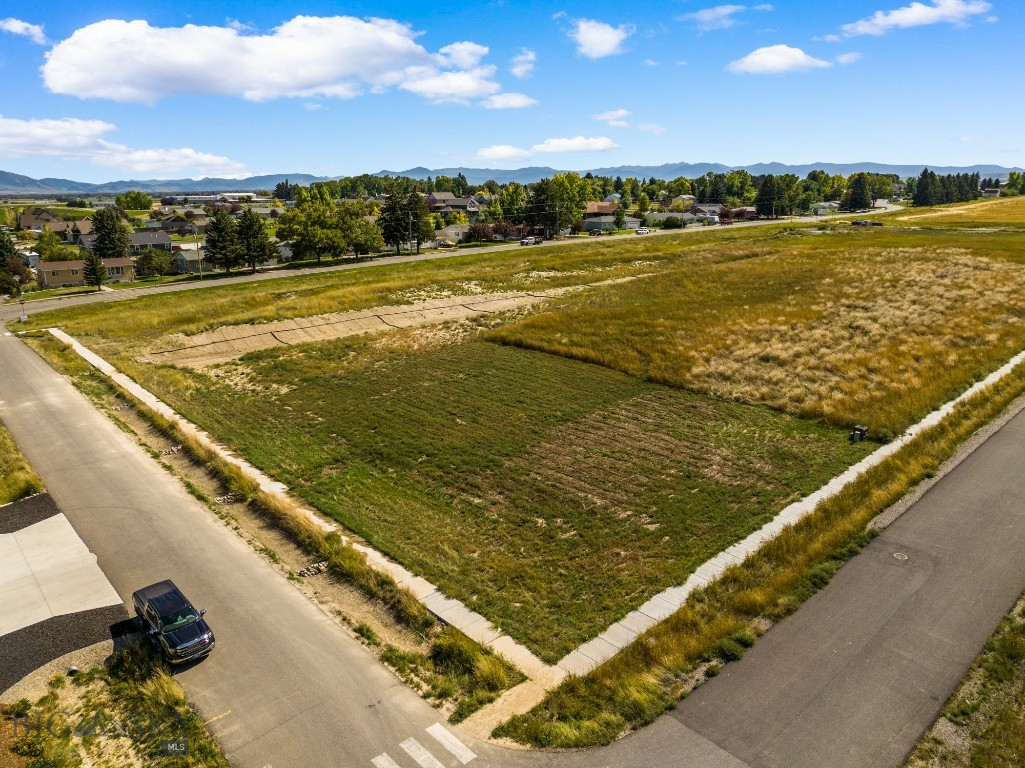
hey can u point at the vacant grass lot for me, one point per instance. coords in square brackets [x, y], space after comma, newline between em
[553, 495]
[549, 495]
[1004, 212]
[874, 327]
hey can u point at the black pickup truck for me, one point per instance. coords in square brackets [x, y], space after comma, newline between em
[175, 627]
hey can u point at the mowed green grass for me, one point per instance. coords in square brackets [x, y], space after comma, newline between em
[550, 495]
[875, 327]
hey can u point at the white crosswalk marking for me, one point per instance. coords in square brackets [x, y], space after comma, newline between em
[417, 751]
[451, 743]
[384, 761]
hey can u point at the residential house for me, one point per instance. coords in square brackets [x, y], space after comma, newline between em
[73, 231]
[139, 240]
[615, 197]
[685, 200]
[824, 209]
[35, 217]
[609, 222]
[447, 202]
[453, 233]
[66, 274]
[707, 209]
[189, 261]
[659, 218]
[991, 192]
[745, 213]
[593, 209]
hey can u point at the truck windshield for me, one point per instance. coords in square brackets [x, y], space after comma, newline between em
[178, 619]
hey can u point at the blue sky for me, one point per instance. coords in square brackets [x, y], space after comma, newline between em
[114, 90]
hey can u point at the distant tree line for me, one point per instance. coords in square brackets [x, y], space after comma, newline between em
[932, 189]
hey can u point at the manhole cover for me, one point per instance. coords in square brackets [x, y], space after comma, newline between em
[900, 556]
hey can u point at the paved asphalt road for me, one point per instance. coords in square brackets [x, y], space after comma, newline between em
[858, 673]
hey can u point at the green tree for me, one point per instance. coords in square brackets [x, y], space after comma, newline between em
[513, 201]
[134, 200]
[619, 217]
[253, 241]
[223, 248]
[421, 226]
[365, 237]
[112, 237]
[50, 247]
[643, 203]
[394, 221]
[13, 271]
[767, 200]
[94, 272]
[859, 192]
[154, 261]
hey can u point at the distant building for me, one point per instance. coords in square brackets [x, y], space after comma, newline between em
[68, 274]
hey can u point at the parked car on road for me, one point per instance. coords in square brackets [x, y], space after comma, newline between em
[597, 232]
[176, 628]
[642, 230]
[529, 240]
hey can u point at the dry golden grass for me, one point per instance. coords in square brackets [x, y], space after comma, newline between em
[875, 328]
[998, 212]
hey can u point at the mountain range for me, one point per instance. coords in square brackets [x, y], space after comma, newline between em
[15, 184]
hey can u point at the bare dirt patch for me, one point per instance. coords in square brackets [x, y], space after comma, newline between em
[231, 342]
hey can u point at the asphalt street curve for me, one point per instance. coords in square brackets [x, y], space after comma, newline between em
[860, 671]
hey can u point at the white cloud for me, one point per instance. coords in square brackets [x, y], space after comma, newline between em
[916, 15]
[72, 138]
[171, 163]
[239, 26]
[719, 17]
[596, 39]
[968, 138]
[508, 101]
[339, 56]
[848, 58]
[654, 128]
[650, 63]
[464, 55]
[504, 152]
[614, 117]
[523, 63]
[827, 38]
[313, 106]
[774, 60]
[576, 144]
[33, 32]
[452, 86]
